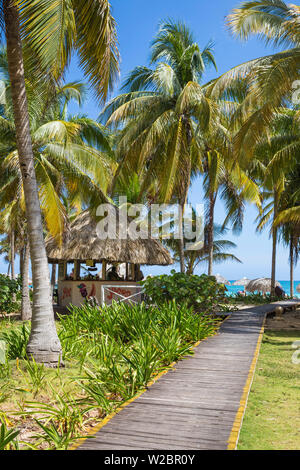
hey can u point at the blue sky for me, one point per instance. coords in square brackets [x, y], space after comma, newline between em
[137, 23]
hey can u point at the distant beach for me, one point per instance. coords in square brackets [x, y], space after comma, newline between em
[285, 285]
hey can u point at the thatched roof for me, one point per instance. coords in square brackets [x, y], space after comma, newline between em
[221, 280]
[241, 282]
[81, 242]
[262, 285]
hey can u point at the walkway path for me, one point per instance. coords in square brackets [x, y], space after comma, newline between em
[195, 405]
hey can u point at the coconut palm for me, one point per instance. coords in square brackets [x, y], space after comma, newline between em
[163, 109]
[274, 156]
[51, 31]
[269, 80]
[235, 187]
[67, 162]
[288, 225]
[200, 254]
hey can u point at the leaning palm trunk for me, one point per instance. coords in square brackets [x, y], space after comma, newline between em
[210, 232]
[12, 253]
[181, 240]
[43, 345]
[292, 266]
[274, 246]
[26, 311]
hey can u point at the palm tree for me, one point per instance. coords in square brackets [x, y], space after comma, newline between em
[200, 254]
[51, 31]
[288, 224]
[66, 166]
[270, 79]
[68, 163]
[274, 157]
[164, 109]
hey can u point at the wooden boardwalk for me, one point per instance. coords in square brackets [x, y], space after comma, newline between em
[195, 405]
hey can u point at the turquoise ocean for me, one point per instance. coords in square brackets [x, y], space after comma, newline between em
[285, 285]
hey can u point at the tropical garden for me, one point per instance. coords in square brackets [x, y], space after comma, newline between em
[239, 134]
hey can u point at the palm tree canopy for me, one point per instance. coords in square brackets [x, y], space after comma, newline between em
[161, 111]
[53, 30]
[71, 157]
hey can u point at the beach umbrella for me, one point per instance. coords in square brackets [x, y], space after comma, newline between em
[262, 284]
[298, 288]
[221, 280]
[241, 282]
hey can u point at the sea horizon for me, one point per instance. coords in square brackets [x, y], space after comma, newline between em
[285, 285]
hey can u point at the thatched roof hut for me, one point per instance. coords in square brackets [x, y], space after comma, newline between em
[81, 241]
[261, 284]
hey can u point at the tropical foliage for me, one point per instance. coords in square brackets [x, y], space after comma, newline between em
[200, 292]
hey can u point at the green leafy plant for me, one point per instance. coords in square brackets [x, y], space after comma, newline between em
[16, 341]
[201, 292]
[56, 439]
[8, 437]
[10, 294]
[34, 376]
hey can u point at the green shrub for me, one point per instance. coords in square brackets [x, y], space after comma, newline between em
[201, 292]
[10, 294]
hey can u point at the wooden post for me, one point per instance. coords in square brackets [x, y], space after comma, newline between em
[76, 270]
[62, 271]
[133, 271]
[103, 270]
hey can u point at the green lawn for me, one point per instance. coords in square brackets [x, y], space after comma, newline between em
[272, 418]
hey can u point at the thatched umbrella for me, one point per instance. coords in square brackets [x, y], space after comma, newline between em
[85, 239]
[241, 282]
[221, 280]
[298, 288]
[262, 285]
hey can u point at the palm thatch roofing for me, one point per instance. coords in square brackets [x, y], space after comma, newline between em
[221, 280]
[298, 288]
[241, 282]
[261, 284]
[85, 240]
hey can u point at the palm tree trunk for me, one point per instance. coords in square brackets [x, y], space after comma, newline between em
[181, 239]
[12, 253]
[53, 279]
[274, 245]
[292, 265]
[210, 232]
[43, 345]
[26, 311]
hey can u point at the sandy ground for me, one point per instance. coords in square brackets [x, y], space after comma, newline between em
[289, 321]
